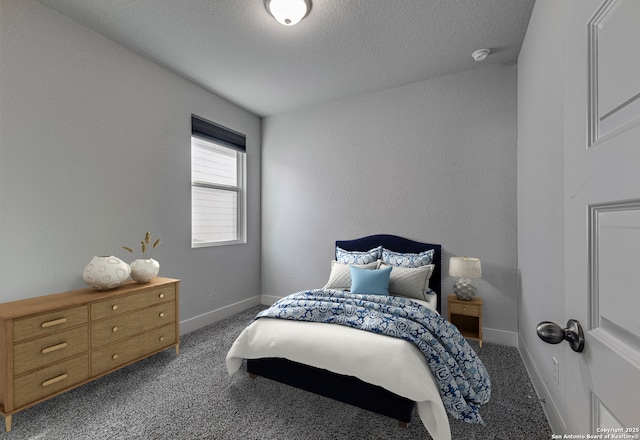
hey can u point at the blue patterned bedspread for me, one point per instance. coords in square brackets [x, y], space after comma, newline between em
[462, 379]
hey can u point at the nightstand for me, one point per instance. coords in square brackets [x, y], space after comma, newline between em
[467, 316]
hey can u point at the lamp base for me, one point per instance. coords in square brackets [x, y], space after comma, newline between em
[464, 289]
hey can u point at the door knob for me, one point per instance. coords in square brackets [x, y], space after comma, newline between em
[552, 333]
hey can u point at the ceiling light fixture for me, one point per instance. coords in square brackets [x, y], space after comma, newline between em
[288, 12]
[480, 54]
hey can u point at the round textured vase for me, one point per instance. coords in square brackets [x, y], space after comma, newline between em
[105, 273]
[464, 289]
[144, 270]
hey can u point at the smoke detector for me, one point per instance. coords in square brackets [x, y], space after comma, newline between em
[480, 54]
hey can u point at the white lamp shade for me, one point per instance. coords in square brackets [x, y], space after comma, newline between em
[288, 12]
[465, 267]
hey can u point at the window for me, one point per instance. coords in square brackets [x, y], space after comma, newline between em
[217, 185]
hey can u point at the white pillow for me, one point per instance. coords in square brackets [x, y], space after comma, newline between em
[410, 282]
[340, 277]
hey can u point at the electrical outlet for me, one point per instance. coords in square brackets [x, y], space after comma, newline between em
[556, 371]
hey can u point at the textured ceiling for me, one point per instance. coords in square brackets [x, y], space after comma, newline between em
[342, 48]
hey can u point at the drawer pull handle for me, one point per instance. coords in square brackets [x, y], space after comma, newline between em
[115, 329]
[114, 357]
[161, 338]
[464, 309]
[161, 314]
[161, 296]
[114, 307]
[54, 322]
[54, 348]
[46, 383]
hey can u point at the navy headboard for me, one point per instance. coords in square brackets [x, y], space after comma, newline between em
[401, 244]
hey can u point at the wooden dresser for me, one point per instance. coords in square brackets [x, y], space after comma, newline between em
[51, 344]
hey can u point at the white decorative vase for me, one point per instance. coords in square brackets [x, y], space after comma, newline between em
[143, 270]
[106, 272]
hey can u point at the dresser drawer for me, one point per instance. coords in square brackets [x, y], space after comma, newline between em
[113, 356]
[36, 353]
[50, 380]
[465, 309]
[124, 304]
[48, 323]
[123, 326]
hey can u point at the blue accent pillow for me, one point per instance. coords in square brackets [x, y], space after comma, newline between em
[370, 281]
[358, 257]
[407, 259]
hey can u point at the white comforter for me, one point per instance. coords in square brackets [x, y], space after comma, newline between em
[394, 364]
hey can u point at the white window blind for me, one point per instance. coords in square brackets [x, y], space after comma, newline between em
[217, 192]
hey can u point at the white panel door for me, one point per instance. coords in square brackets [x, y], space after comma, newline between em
[602, 213]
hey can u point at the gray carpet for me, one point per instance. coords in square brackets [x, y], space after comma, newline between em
[191, 396]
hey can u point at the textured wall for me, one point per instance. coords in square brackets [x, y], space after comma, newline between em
[541, 198]
[432, 161]
[95, 150]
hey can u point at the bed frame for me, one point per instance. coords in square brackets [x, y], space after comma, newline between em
[350, 389]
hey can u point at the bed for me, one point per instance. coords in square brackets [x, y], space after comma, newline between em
[371, 371]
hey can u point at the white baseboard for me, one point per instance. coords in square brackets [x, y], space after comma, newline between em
[191, 324]
[501, 337]
[549, 406]
[267, 300]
